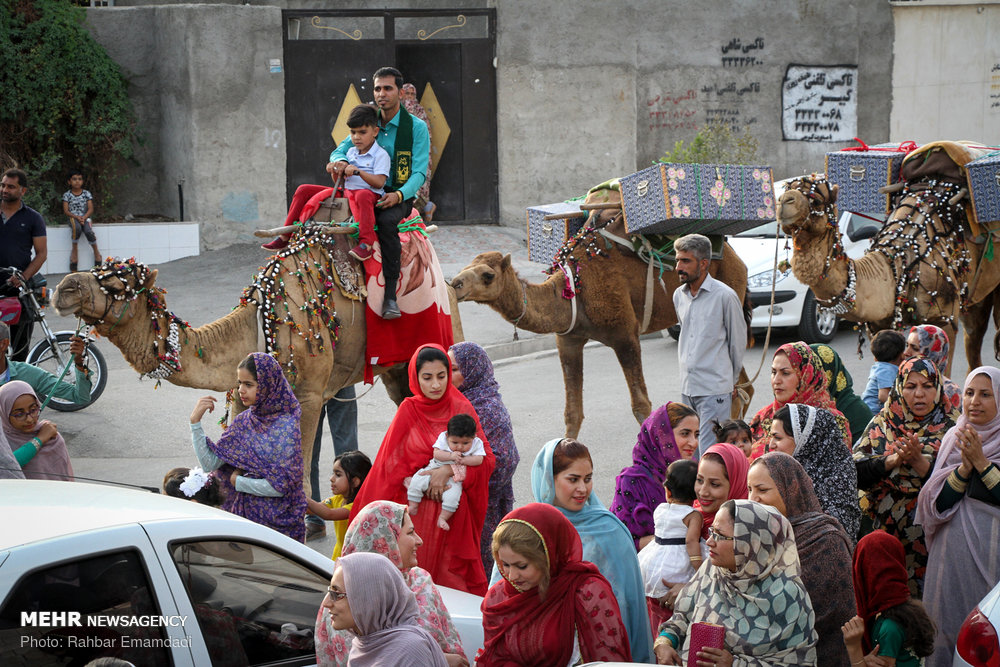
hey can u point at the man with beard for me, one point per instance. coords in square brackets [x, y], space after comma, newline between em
[713, 336]
[407, 141]
[22, 230]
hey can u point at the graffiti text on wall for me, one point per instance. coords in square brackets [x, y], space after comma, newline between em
[819, 103]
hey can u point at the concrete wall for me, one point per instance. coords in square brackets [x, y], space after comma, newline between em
[946, 74]
[587, 90]
[211, 113]
[590, 90]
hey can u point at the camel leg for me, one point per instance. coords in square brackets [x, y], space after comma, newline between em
[571, 359]
[975, 322]
[952, 331]
[397, 383]
[310, 417]
[739, 408]
[629, 354]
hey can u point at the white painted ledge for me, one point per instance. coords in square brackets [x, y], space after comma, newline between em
[149, 242]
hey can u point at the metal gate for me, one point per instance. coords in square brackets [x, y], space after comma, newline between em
[330, 56]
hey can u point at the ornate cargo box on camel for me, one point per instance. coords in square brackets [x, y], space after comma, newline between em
[545, 237]
[860, 173]
[681, 199]
[984, 184]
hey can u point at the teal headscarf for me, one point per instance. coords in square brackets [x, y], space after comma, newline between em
[608, 544]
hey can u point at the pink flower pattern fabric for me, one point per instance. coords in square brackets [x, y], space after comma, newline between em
[934, 345]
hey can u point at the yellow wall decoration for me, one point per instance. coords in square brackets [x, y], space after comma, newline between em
[340, 129]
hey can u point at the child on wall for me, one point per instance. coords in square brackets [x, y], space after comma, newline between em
[349, 472]
[459, 447]
[78, 205]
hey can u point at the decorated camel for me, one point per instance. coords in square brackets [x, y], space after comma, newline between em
[603, 291]
[923, 266]
[306, 305]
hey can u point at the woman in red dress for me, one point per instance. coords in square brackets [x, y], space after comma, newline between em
[452, 557]
[552, 608]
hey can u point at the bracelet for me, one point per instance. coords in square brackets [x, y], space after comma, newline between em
[955, 482]
[36, 442]
[990, 476]
[661, 640]
[859, 662]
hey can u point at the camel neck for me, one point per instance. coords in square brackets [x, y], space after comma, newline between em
[539, 308]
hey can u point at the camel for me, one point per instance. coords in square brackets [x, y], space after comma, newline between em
[158, 344]
[611, 287]
[920, 269]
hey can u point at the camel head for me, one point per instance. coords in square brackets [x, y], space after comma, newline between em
[807, 204]
[481, 281]
[94, 296]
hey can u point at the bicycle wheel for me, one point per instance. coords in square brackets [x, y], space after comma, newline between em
[43, 356]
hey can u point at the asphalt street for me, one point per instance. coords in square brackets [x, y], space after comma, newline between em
[135, 432]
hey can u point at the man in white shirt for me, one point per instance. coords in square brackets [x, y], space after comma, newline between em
[713, 336]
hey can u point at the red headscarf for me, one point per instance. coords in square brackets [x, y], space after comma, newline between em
[811, 390]
[879, 578]
[737, 467]
[452, 557]
[522, 629]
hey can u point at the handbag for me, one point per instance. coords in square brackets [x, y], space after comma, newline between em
[335, 208]
[704, 635]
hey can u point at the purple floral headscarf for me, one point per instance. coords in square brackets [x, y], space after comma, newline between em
[639, 487]
[264, 441]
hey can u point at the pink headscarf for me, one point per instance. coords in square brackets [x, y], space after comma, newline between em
[950, 458]
[52, 461]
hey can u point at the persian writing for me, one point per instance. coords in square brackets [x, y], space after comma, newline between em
[819, 103]
[672, 110]
[735, 52]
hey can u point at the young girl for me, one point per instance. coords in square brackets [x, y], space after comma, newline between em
[677, 550]
[349, 472]
[193, 484]
[735, 432]
[78, 206]
[262, 446]
[888, 621]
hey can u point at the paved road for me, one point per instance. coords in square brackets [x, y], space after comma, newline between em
[135, 432]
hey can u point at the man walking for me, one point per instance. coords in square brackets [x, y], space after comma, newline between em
[407, 141]
[713, 336]
[22, 230]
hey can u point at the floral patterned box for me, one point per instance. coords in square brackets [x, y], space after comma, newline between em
[860, 174]
[984, 184]
[545, 237]
[697, 198]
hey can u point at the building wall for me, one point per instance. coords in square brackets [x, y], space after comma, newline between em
[946, 73]
[587, 90]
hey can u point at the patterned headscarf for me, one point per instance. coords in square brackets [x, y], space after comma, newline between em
[639, 487]
[811, 390]
[934, 345]
[821, 451]
[840, 384]
[264, 441]
[895, 418]
[763, 603]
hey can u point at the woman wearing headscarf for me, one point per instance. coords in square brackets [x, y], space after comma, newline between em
[261, 447]
[451, 556]
[840, 386]
[751, 587]
[562, 476]
[927, 340]
[812, 438]
[897, 454]
[959, 509]
[385, 528]
[472, 373]
[552, 606]
[36, 444]
[667, 435]
[797, 376]
[778, 480]
[368, 598]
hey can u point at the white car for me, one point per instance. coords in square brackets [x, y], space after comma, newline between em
[978, 644]
[89, 571]
[794, 303]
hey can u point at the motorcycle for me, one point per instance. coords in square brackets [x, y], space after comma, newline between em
[51, 353]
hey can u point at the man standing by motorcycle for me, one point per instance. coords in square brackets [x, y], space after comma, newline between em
[22, 230]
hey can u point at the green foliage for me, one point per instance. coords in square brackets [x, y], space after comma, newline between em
[65, 103]
[715, 143]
